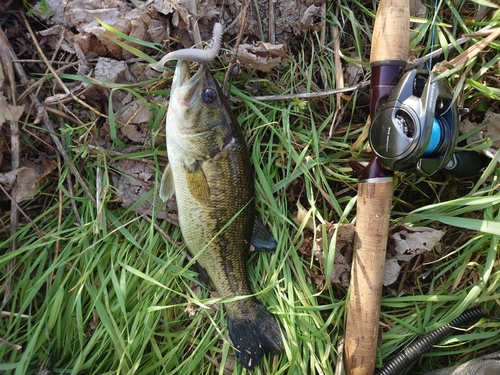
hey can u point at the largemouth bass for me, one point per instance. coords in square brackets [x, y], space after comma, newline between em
[209, 171]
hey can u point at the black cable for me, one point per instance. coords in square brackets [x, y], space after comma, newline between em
[406, 356]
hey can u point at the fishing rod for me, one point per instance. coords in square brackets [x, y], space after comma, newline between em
[414, 128]
[389, 53]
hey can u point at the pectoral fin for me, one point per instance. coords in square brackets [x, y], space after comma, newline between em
[167, 188]
[197, 183]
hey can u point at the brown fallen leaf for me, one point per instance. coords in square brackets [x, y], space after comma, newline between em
[262, 56]
[134, 118]
[28, 178]
[343, 250]
[308, 18]
[9, 112]
[135, 181]
[403, 244]
[111, 70]
[76, 20]
[59, 35]
[490, 132]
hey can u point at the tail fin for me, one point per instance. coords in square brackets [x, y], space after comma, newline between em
[255, 336]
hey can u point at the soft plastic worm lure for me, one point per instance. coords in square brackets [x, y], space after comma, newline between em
[194, 54]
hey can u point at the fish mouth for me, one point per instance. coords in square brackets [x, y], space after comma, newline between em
[183, 84]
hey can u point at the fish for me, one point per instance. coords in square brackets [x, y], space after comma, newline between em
[210, 173]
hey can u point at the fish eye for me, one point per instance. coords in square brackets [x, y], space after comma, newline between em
[208, 96]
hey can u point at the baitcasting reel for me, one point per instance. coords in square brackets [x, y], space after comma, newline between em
[416, 129]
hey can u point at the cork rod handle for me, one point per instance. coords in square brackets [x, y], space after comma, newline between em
[391, 32]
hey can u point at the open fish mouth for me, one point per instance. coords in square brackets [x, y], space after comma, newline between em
[184, 85]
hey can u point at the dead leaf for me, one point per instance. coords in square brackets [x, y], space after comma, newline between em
[111, 70]
[136, 132]
[134, 182]
[262, 56]
[343, 250]
[353, 73]
[192, 308]
[181, 9]
[27, 181]
[59, 35]
[134, 116]
[9, 112]
[418, 9]
[28, 178]
[490, 129]
[310, 15]
[76, 20]
[403, 244]
[9, 178]
[301, 214]
[134, 23]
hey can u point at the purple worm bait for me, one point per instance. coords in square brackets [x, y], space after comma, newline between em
[193, 54]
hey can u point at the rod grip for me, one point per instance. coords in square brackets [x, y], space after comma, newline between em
[391, 32]
[373, 209]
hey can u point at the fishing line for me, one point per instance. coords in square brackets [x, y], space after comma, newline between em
[436, 134]
[433, 32]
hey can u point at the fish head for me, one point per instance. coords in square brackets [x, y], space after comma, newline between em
[199, 120]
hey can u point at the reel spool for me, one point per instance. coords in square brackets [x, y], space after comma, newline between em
[416, 129]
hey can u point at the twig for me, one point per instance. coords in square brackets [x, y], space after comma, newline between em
[59, 222]
[161, 231]
[474, 50]
[9, 314]
[411, 64]
[243, 17]
[311, 95]
[39, 233]
[98, 199]
[339, 75]
[73, 204]
[8, 70]
[234, 60]
[415, 63]
[96, 150]
[322, 34]
[12, 345]
[271, 22]
[339, 368]
[42, 79]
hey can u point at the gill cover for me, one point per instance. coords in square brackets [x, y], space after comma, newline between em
[416, 128]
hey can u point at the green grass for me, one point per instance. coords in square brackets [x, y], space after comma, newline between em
[105, 292]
